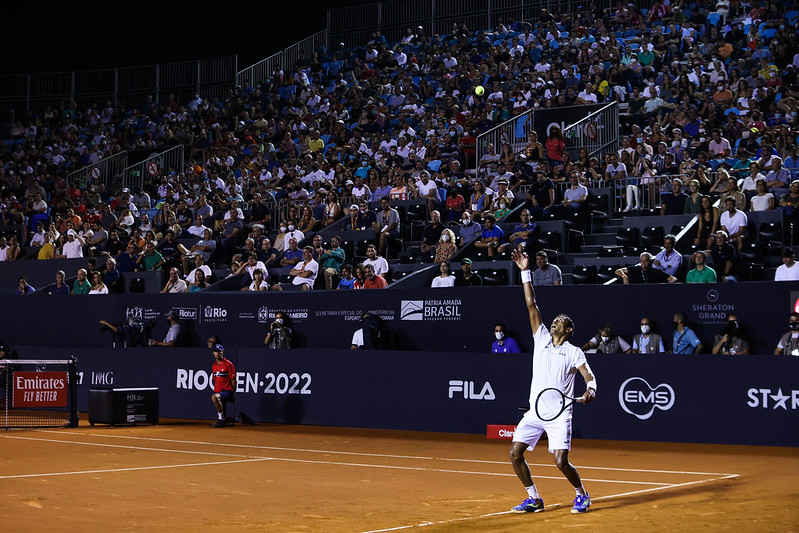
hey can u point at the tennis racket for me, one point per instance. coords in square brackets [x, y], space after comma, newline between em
[551, 403]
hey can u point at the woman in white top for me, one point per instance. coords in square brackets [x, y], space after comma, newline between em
[750, 182]
[126, 221]
[98, 287]
[763, 200]
[446, 279]
[258, 283]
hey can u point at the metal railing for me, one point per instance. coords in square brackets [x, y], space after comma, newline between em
[598, 133]
[27, 94]
[354, 25]
[103, 171]
[514, 131]
[283, 60]
[134, 176]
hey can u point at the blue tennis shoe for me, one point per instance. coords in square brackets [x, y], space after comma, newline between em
[530, 505]
[581, 504]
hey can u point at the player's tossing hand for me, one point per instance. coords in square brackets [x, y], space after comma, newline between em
[521, 259]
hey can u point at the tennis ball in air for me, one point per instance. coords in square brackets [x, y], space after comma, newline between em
[479, 90]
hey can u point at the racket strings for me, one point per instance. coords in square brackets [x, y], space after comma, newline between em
[550, 404]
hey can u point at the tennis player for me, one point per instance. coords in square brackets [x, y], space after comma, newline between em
[555, 363]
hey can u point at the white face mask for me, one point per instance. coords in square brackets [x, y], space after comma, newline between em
[283, 229]
[499, 335]
[279, 321]
[291, 227]
[445, 238]
[644, 328]
[467, 221]
[605, 339]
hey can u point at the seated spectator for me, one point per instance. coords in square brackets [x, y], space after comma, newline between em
[112, 278]
[734, 223]
[258, 284]
[644, 273]
[763, 200]
[73, 248]
[432, 232]
[523, 232]
[249, 265]
[788, 270]
[446, 279]
[23, 287]
[372, 279]
[446, 247]
[127, 260]
[304, 272]
[150, 259]
[81, 285]
[729, 340]
[546, 275]
[292, 255]
[724, 257]
[707, 222]
[174, 285]
[199, 282]
[668, 259]
[98, 287]
[467, 277]
[701, 273]
[60, 286]
[673, 203]
[607, 342]
[387, 225]
[347, 280]
[647, 342]
[491, 238]
[378, 262]
[470, 230]
[503, 344]
[789, 342]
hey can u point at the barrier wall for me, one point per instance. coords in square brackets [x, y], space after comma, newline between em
[742, 400]
[451, 319]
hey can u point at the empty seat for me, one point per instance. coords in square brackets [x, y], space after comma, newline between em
[584, 275]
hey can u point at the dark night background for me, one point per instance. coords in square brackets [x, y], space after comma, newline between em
[100, 35]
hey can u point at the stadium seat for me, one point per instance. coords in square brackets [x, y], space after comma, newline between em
[605, 273]
[494, 277]
[628, 237]
[584, 275]
[652, 238]
[549, 241]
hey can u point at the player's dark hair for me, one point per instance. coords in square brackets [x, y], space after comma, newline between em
[567, 318]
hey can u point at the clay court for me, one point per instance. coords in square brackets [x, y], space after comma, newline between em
[185, 476]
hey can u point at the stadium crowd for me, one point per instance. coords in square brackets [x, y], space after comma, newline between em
[707, 89]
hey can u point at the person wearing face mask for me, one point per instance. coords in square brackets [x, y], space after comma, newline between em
[470, 230]
[684, 339]
[607, 342]
[279, 335]
[446, 247]
[789, 342]
[729, 340]
[647, 342]
[503, 344]
[291, 232]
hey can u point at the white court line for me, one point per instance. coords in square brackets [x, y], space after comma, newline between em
[107, 470]
[331, 463]
[386, 456]
[611, 496]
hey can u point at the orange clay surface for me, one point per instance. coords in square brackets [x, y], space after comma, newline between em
[186, 476]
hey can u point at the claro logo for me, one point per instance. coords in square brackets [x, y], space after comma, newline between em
[639, 398]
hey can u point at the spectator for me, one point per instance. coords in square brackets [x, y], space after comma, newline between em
[432, 232]
[292, 255]
[701, 273]
[647, 342]
[469, 230]
[607, 342]
[668, 259]
[204, 248]
[673, 203]
[60, 286]
[685, 340]
[491, 237]
[763, 200]
[331, 261]
[729, 340]
[788, 270]
[546, 274]
[707, 223]
[446, 279]
[98, 287]
[258, 284]
[280, 334]
[446, 247]
[112, 278]
[347, 280]
[503, 344]
[174, 284]
[789, 342]
[81, 285]
[644, 273]
[23, 287]
[388, 224]
[304, 272]
[467, 277]
[379, 264]
[724, 258]
[372, 279]
[199, 280]
[150, 259]
[734, 223]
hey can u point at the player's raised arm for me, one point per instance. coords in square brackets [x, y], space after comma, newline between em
[523, 262]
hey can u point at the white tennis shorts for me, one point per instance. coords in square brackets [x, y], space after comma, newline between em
[559, 431]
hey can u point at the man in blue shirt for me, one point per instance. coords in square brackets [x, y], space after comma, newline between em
[491, 237]
[503, 344]
[685, 340]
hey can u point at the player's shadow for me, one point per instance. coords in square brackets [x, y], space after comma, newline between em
[714, 487]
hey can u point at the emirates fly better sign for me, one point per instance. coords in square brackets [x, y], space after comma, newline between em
[40, 389]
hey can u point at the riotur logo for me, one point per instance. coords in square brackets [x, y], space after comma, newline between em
[639, 398]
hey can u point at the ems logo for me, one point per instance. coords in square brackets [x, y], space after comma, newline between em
[638, 398]
[263, 314]
[412, 310]
[135, 313]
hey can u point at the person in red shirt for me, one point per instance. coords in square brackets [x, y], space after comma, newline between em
[223, 374]
[373, 281]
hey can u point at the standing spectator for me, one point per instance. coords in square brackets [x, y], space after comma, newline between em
[555, 146]
[685, 340]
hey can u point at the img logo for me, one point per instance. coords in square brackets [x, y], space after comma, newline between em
[638, 398]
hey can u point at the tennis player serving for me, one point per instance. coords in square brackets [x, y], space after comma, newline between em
[555, 363]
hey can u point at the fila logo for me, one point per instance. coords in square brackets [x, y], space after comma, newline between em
[467, 389]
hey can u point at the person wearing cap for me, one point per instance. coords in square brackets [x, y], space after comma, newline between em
[467, 277]
[788, 270]
[173, 333]
[223, 375]
[73, 248]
